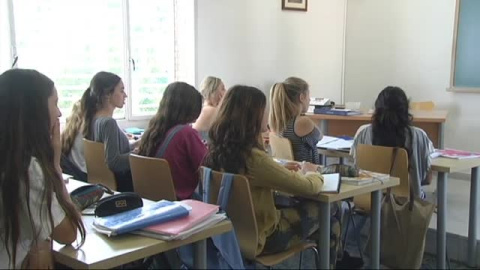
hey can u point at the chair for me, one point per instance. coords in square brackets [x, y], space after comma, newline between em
[97, 170]
[422, 106]
[379, 159]
[281, 147]
[240, 211]
[152, 178]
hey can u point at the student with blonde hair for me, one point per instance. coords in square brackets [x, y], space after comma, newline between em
[289, 101]
[73, 158]
[212, 89]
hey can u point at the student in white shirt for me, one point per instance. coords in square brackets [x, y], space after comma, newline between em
[73, 157]
[34, 203]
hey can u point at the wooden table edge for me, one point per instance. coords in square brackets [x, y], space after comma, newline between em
[220, 228]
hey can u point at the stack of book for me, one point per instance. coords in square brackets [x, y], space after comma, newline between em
[334, 111]
[365, 177]
[164, 220]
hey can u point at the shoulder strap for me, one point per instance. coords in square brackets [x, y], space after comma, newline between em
[207, 173]
[167, 140]
[392, 165]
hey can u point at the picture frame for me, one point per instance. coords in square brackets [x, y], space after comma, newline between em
[298, 5]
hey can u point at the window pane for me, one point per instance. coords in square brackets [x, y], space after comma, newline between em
[152, 49]
[70, 41]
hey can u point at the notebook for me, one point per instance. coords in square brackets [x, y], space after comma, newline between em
[455, 154]
[365, 177]
[155, 213]
[200, 212]
[331, 183]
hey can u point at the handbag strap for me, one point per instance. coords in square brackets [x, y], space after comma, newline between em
[166, 142]
[392, 165]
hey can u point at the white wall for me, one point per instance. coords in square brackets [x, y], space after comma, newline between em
[408, 43]
[5, 61]
[256, 43]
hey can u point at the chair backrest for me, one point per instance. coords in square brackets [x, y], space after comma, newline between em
[97, 170]
[422, 106]
[281, 147]
[152, 178]
[239, 210]
[379, 159]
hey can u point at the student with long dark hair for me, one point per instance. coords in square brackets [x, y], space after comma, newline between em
[180, 106]
[392, 126]
[34, 203]
[105, 94]
[236, 147]
[290, 100]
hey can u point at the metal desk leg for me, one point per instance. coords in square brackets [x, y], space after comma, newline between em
[200, 260]
[375, 227]
[324, 239]
[441, 219]
[441, 135]
[472, 224]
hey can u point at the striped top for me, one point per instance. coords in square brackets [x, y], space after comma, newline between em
[304, 148]
[420, 161]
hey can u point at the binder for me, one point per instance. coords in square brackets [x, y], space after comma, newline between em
[139, 218]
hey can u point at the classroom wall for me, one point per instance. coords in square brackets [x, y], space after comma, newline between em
[4, 38]
[256, 43]
[408, 43]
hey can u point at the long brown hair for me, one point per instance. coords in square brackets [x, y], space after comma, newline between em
[101, 85]
[236, 130]
[72, 127]
[181, 104]
[285, 102]
[25, 115]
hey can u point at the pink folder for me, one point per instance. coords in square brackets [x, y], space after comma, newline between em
[200, 212]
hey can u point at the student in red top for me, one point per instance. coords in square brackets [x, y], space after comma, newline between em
[180, 106]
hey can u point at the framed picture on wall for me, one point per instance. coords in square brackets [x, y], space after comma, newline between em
[300, 5]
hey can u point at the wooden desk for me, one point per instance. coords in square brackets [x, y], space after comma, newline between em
[100, 251]
[432, 122]
[444, 166]
[347, 191]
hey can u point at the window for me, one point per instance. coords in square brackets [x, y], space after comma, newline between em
[70, 41]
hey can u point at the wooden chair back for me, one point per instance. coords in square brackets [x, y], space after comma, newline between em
[422, 106]
[379, 159]
[97, 170]
[281, 147]
[239, 209]
[152, 178]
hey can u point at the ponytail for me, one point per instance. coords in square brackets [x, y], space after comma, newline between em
[284, 99]
[89, 107]
[72, 128]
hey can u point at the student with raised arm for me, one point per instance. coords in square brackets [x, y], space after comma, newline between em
[237, 148]
[105, 94]
[35, 206]
[213, 90]
[180, 106]
[289, 101]
[392, 126]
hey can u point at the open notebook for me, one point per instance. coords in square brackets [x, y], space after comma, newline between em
[331, 183]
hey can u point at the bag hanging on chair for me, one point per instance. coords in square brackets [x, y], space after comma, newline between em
[404, 225]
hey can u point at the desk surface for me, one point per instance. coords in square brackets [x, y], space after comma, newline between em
[347, 191]
[435, 116]
[100, 251]
[449, 165]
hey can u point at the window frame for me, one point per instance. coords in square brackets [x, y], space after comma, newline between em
[127, 56]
